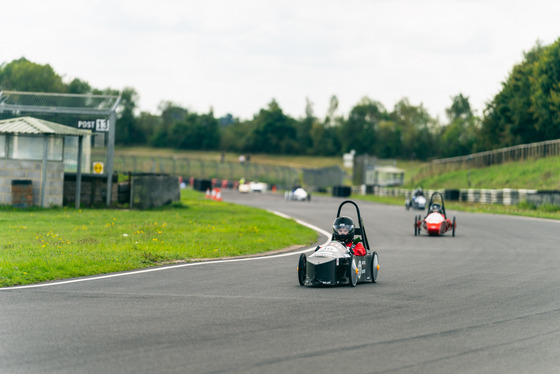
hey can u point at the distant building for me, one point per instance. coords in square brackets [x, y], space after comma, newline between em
[371, 171]
[385, 176]
[33, 153]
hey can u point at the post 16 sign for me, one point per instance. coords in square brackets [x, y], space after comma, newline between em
[99, 125]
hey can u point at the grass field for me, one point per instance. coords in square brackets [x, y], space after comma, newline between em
[47, 244]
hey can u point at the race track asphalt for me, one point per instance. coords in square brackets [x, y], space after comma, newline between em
[484, 301]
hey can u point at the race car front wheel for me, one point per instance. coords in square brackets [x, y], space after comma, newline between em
[353, 268]
[453, 232]
[301, 269]
[374, 267]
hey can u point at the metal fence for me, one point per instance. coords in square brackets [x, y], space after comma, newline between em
[521, 152]
[323, 177]
[281, 176]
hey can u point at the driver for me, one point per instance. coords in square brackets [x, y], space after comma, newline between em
[435, 208]
[343, 231]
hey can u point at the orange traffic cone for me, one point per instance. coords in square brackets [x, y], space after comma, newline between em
[218, 196]
[207, 193]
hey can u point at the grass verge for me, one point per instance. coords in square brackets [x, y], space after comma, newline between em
[47, 244]
[541, 174]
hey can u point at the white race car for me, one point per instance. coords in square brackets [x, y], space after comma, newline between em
[253, 187]
[418, 200]
[299, 194]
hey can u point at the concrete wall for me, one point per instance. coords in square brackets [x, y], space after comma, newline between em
[152, 191]
[31, 170]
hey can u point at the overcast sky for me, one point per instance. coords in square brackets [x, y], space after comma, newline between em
[235, 56]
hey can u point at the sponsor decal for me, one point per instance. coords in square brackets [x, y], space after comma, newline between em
[328, 251]
[323, 254]
[360, 267]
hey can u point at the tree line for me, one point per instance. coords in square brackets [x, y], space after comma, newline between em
[526, 110]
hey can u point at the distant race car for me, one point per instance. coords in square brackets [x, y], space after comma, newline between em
[252, 187]
[418, 201]
[258, 187]
[334, 263]
[299, 194]
[244, 188]
[436, 221]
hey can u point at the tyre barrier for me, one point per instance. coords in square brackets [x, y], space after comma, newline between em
[504, 196]
[452, 195]
[544, 197]
[202, 184]
[341, 191]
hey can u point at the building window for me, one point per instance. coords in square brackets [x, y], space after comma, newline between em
[71, 154]
[31, 148]
[2, 145]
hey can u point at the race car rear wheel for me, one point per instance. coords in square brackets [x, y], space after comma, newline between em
[374, 267]
[353, 269]
[453, 232]
[301, 269]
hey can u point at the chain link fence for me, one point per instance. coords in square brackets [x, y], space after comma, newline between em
[280, 176]
[322, 178]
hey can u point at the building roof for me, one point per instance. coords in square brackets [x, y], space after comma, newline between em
[36, 126]
[48, 102]
[389, 169]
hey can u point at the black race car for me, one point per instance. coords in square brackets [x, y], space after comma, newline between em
[335, 263]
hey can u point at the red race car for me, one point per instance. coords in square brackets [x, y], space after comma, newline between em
[436, 221]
